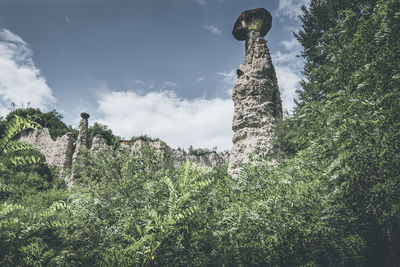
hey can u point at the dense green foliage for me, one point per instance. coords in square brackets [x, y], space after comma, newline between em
[51, 120]
[200, 151]
[11, 150]
[348, 118]
[28, 200]
[144, 137]
[132, 209]
[333, 199]
[104, 131]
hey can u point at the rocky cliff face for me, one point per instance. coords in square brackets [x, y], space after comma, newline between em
[98, 143]
[258, 106]
[178, 157]
[58, 153]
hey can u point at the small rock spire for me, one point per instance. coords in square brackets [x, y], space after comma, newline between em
[83, 137]
[82, 141]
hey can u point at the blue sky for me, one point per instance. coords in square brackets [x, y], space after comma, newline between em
[164, 68]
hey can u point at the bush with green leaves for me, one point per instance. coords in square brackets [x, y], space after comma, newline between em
[347, 120]
[131, 208]
[31, 196]
[139, 209]
[106, 133]
[51, 120]
[143, 137]
[200, 151]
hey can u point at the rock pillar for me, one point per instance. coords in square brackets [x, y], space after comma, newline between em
[257, 101]
[83, 136]
[82, 141]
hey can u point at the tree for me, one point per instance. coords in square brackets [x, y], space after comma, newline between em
[51, 120]
[30, 201]
[347, 121]
[103, 130]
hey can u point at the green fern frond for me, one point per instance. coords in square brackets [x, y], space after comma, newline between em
[19, 160]
[16, 126]
[18, 146]
[186, 213]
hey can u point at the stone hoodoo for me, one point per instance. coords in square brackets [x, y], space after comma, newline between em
[256, 97]
[83, 137]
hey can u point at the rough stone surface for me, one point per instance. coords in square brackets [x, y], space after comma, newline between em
[178, 157]
[58, 153]
[258, 106]
[98, 143]
[83, 136]
[209, 159]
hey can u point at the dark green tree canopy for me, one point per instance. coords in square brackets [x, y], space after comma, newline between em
[347, 122]
[103, 130]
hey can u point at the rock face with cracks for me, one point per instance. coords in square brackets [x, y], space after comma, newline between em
[58, 153]
[83, 136]
[258, 106]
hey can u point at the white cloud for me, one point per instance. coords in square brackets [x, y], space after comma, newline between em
[147, 84]
[291, 45]
[290, 59]
[168, 85]
[229, 75]
[212, 29]
[290, 8]
[152, 84]
[7, 36]
[179, 122]
[288, 81]
[292, 28]
[288, 71]
[228, 80]
[201, 2]
[20, 80]
[200, 79]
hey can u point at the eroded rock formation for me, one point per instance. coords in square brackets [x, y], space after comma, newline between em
[178, 157]
[98, 143]
[256, 97]
[63, 152]
[58, 153]
[257, 109]
[83, 136]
